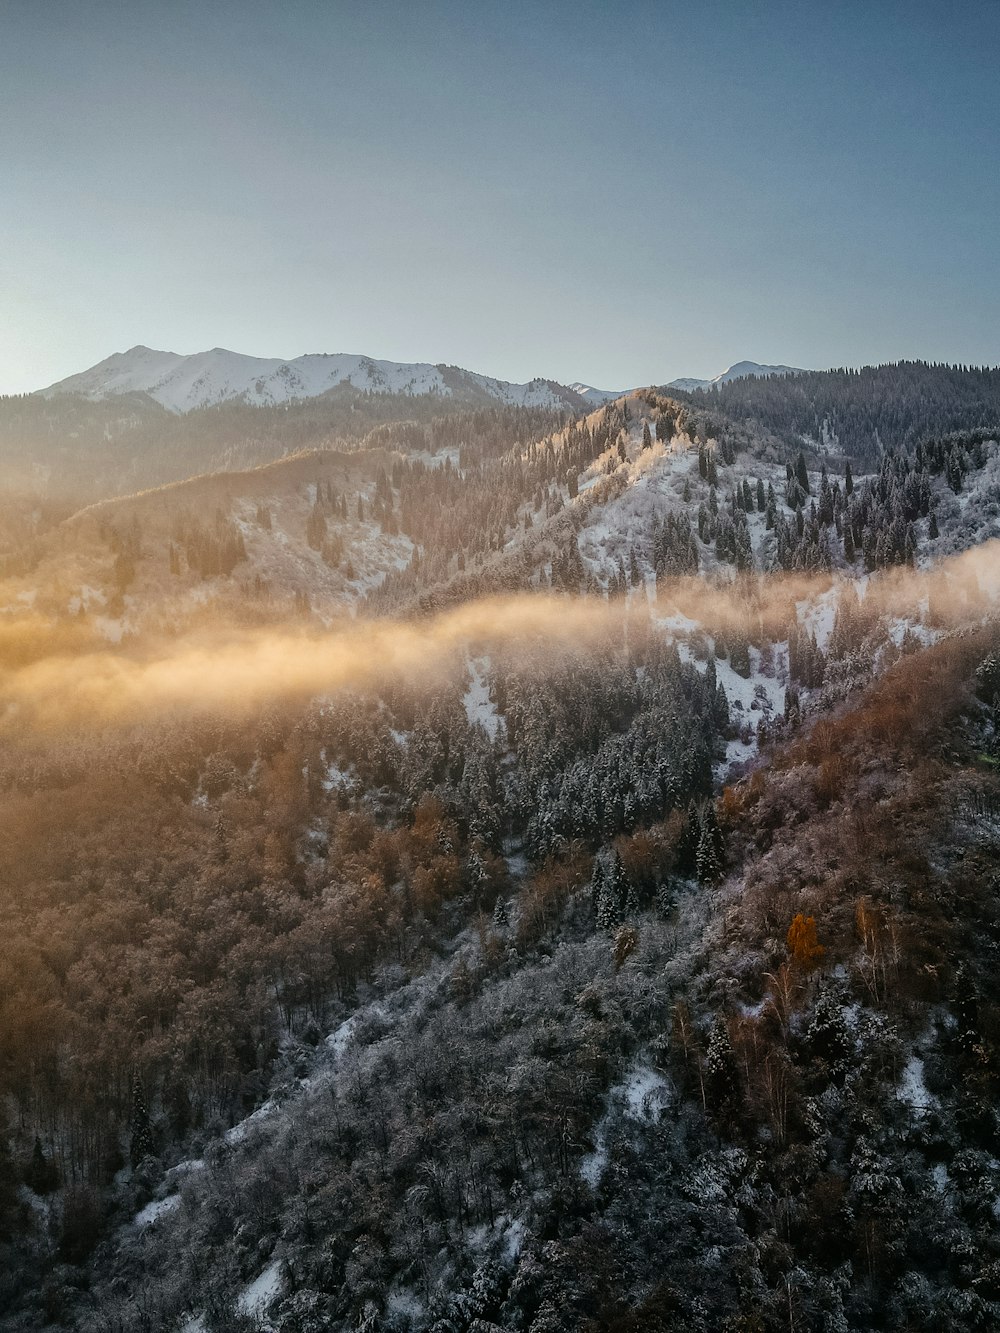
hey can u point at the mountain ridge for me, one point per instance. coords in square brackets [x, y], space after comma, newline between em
[739, 370]
[183, 383]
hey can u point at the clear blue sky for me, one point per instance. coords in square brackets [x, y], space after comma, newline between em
[616, 193]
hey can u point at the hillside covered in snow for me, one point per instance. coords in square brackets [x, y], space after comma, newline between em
[510, 870]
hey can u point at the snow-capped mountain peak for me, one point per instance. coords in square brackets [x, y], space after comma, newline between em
[740, 371]
[203, 379]
[596, 396]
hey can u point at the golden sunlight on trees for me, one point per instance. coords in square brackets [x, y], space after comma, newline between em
[802, 942]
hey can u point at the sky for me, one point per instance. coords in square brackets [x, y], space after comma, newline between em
[619, 194]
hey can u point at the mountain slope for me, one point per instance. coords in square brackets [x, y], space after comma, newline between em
[459, 997]
[596, 396]
[182, 383]
[866, 411]
[740, 371]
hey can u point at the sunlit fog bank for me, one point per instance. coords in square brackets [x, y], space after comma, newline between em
[61, 675]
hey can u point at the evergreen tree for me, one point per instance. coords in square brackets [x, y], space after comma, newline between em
[141, 1144]
[722, 1075]
[708, 857]
[686, 849]
[802, 473]
[849, 553]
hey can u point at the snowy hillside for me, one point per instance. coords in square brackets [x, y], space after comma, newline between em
[182, 383]
[740, 371]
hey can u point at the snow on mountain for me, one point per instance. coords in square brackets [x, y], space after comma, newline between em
[181, 383]
[740, 371]
[596, 396]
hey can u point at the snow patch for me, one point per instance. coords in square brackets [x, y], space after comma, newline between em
[255, 1298]
[645, 1092]
[154, 1210]
[912, 1088]
[479, 707]
[239, 1132]
[817, 617]
[640, 1096]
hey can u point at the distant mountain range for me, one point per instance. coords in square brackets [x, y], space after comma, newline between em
[204, 379]
[742, 370]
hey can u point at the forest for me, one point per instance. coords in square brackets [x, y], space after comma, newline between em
[863, 411]
[625, 963]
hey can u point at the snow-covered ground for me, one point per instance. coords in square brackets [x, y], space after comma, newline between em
[817, 617]
[243, 1128]
[912, 1088]
[154, 1210]
[479, 707]
[639, 1097]
[254, 1299]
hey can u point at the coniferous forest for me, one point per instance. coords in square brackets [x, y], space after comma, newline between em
[510, 870]
[499, 797]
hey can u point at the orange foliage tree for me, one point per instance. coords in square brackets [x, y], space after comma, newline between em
[805, 948]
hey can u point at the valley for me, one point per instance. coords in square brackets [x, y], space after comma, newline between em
[506, 871]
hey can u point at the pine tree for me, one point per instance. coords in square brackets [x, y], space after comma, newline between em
[708, 857]
[827, 1036]
[141, 1145]
[722, 1077]
[665, 426]
[802, 473]
[635, 578]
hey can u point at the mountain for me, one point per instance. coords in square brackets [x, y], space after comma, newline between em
[863, 412]
[596, 396]
[740, 371]
[205, 379]
[474, 503]
[76, 449]
[499, 878]
[182, 383]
